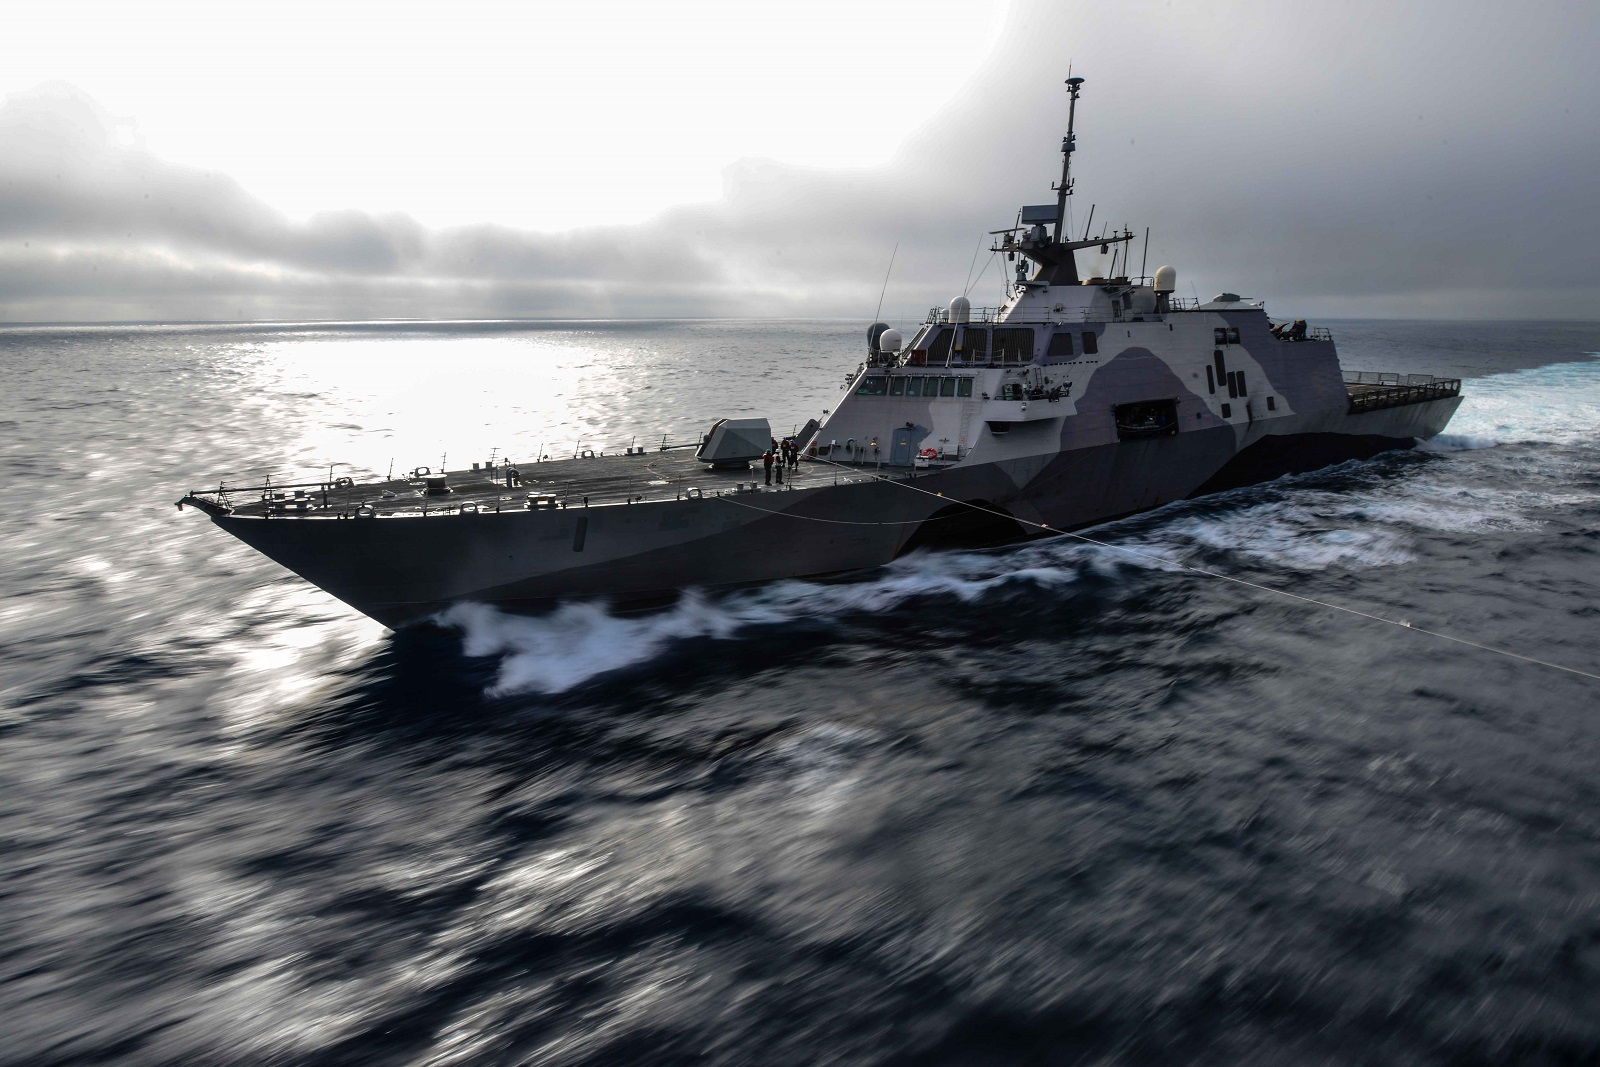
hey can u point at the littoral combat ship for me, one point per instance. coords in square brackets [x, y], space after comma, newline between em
[1077, 401]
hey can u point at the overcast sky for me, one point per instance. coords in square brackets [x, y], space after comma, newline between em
[310, 161]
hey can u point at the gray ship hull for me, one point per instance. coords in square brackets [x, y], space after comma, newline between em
[402, 569]
[1078, 401]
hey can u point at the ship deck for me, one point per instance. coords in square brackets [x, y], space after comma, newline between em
[597, 480]
[1370, 391]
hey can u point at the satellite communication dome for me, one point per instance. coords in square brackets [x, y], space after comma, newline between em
[1166, 279]
[889, 341]
[960, 309]
[874, 333]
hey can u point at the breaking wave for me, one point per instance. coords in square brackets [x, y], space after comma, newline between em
[1311, 530]
[1555, 404]
[1456, 442]
[581, 640]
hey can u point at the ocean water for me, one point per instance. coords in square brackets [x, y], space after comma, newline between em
[1053, 803]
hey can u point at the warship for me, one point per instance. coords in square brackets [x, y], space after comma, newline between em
[1077, 401]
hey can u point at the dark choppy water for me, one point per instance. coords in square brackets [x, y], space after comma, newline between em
[1039, 805]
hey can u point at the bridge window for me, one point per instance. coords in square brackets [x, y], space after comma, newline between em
[1233, 335]
[974, 345]
[930, 386]
[913, 387]
[1091, 344]
[1013, 345]
[964, 387]
[1060, 344]
[897, 386]
[874, 385]
[947, 387]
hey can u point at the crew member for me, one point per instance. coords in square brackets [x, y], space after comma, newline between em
[766, 461]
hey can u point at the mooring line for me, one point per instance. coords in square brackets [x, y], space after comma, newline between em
[832, 522]
[1202, 571]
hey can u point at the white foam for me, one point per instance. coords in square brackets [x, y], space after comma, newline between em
[579, 641]
[1312, 530]
[1456, 442]
[1559, 404]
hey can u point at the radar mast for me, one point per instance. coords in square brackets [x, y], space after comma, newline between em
[1068, 144]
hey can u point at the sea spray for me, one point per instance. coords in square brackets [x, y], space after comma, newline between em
[1555, 404]
[580, 640]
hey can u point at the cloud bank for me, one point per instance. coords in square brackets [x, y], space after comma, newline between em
[1443, 167]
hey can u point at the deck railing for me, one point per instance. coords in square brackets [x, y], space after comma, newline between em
[1371, 390]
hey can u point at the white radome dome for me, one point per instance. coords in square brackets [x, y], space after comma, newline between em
[960, 309]
[889, 341]
[1166, 279]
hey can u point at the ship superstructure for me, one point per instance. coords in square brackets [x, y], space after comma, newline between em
[1077, 401]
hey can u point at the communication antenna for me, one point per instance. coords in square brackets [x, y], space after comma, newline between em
[1089, 223]
[885, 288]
[1144, 260]
[973, 264]
[1068, 145]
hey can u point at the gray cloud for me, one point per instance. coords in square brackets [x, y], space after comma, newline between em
[1352, 158]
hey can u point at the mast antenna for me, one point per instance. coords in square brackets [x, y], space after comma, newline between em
[1069, 144]
[886, 281]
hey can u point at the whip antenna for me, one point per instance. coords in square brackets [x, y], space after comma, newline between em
[879, 313]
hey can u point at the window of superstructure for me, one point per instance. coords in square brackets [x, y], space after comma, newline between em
[1091, 343]
[1233, 335]
[873, 385]
[947, 387]
[1013, 344]
[1233, 385]
[964, 387]
[1272, 403]
[930, 386]
[913, 387]
[974, 345]
[1219, 336]
[1211, 380]
[897, 386]
[1239, 374]
[1227, 411]
[1060, 344]
[939, 351]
